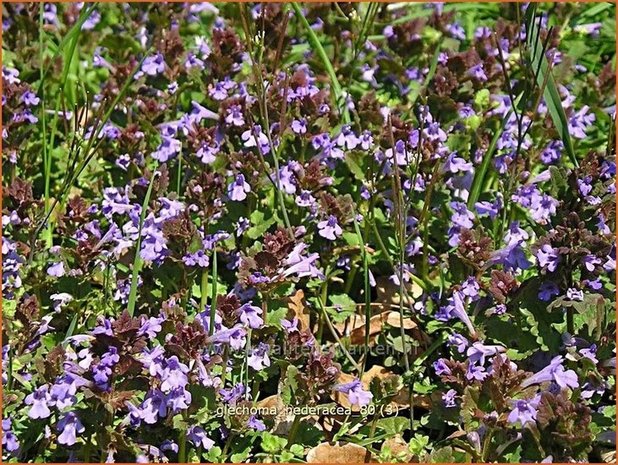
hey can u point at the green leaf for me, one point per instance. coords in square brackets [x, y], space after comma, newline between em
[275, 316]
[481, 99]
[536, 314]
[418, 444]
[240, 457]
[214, 454]
[271, 443]
[544, 77]
[393, 425]
[344, 307]
[442, 455]
[290, 385]
[260, 224]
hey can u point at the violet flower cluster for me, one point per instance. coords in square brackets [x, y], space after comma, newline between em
[222, 222]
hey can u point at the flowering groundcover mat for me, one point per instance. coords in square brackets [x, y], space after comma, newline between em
[308, 232]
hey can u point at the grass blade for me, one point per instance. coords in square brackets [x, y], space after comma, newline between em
[315, 42]
[137, 261]
[479, 176]
[337, 90]
[545, 77]
[75, 30]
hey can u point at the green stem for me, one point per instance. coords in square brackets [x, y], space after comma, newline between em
[293, 430]
[179, 178]
[182, 446]
[317, 45]
[213, 298]
[337, 338]
[204, 289]
[367, 288]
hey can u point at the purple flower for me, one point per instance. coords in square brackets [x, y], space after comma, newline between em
[457, 309]
[254, 423]
[39, 400]
[547, 257]
[231, 396]
[153, 65]
[554, 372]
[575, 294]
[585, 185]
[198, 437]
[592, 29]
[238, 189]
[476, 372]
[594, 284]
[30, 99]
[218, 91]
[524, 411]
[488, 208]
[174, 374]
[516, 234]
[300, 265]
[547, 290]
[153, 407]
[448, 398]
[356, 394]
[151, 327]
[254, 137]
[329, 229]
[461, 215]
[64, 389]
[102, 371]
[590, 353]
[591, 262]
[346, 138]
[235, 337]
[458, 341]
[512, 257]
[456, 31]
[470, 288]
[57, 270]
[179, 399]
[199, 112]
[478, 73]
[167, 149]
[198, 258]
[234, 116]
[104, 326]
[193, 62]
[250, 315]
[258, 359]
[9, 439]
[70, 425]
[552, 152]
[499, 309]
[479, 351]
[455, 164]
[299, 126]
[400, 154]
[290, 326]
[287, 178]
[441, 368]
[10, 74]
[580, 121]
